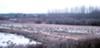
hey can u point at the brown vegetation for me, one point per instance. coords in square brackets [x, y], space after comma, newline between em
[57, 39]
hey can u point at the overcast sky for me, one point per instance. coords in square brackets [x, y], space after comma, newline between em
[41, 6]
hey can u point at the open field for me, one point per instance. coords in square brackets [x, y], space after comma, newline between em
[57, 36]
[51, 28]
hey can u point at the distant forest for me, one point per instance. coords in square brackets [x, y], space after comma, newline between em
[92, 18]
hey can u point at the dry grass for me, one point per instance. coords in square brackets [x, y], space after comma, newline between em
[58, 36]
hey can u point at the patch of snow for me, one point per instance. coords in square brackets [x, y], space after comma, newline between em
[6, 39]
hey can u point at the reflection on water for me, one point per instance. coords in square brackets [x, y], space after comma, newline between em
[7, 39]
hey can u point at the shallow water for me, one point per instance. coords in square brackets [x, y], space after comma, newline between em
[7, 39]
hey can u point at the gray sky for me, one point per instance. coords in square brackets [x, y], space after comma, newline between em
[42, 6]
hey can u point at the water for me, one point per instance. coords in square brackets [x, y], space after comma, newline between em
[7, 39]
